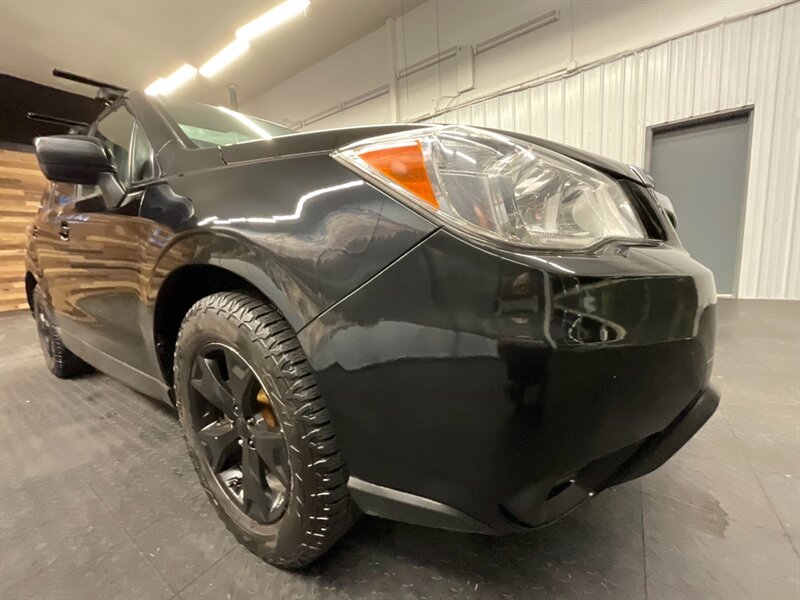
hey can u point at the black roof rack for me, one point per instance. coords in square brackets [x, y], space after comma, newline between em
[107, 92]
[34, 116]
[73, 125]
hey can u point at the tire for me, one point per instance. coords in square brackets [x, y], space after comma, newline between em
[287, 524]
[61, 362]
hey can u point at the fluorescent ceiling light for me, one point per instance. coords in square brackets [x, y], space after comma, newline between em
[271, 19]
[169, 84]
[224, 57]
[154, 89]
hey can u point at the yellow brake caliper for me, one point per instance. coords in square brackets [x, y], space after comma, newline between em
[268, 412]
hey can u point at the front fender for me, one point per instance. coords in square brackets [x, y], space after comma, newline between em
[304, 231]
[240, 256]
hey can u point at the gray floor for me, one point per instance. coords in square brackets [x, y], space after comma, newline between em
[98, 500]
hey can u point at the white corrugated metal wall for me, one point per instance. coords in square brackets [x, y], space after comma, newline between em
[608, 107]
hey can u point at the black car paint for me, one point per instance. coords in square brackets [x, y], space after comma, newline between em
[505, 385]
[505, 378]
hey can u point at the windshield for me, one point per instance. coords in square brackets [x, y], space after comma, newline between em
[209, 125]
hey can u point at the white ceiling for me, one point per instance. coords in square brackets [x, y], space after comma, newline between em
[134, 42]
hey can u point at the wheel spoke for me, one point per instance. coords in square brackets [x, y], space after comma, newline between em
[255, 493]
[209, 383]
[245, 449]
[241, 382]
[272, 450]
[220, 440]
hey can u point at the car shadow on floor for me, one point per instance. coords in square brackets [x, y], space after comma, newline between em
[599, 546]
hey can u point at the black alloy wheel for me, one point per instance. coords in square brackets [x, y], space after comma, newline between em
[258, 430]
[237, 427]
[59, 360]
[45, 330]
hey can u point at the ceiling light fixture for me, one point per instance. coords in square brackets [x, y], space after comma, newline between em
[169, 84]
[224, 57]
[154, 88]
[271, 19]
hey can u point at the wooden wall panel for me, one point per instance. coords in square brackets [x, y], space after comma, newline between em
[21, 187]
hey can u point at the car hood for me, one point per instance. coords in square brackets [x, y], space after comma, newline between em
[331, 139]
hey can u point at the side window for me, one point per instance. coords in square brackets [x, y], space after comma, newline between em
[116, 131]
[142, 163]
[47, 198]
[63, 194]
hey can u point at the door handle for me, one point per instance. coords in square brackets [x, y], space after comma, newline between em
[63, 231]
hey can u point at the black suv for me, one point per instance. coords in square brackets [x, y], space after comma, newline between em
[446, 325]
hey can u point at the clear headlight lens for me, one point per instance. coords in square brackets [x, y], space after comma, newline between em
[498, 187]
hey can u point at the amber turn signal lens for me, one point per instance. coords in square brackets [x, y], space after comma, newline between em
[405, 166]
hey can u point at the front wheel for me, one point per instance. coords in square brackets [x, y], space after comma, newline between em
[258, 431]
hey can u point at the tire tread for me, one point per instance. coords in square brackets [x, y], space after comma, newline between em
[330, 511]
[65, 364]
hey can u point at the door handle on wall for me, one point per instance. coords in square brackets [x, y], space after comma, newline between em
[63, 231]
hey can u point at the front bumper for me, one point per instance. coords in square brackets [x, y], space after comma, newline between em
[479, 390]
[646, 457]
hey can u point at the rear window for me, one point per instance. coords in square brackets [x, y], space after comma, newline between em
[207, 125]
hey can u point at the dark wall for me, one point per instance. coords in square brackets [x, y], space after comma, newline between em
[19, 96]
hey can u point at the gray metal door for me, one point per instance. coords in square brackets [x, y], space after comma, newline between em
[702, 167]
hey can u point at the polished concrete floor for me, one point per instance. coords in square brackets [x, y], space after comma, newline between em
[98, 500]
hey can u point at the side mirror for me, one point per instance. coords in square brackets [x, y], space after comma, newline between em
[666, 205]
[73, 158]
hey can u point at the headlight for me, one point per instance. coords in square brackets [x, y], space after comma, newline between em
[498, 187]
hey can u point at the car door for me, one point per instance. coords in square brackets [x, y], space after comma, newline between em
[100, 314]
[46, 243]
